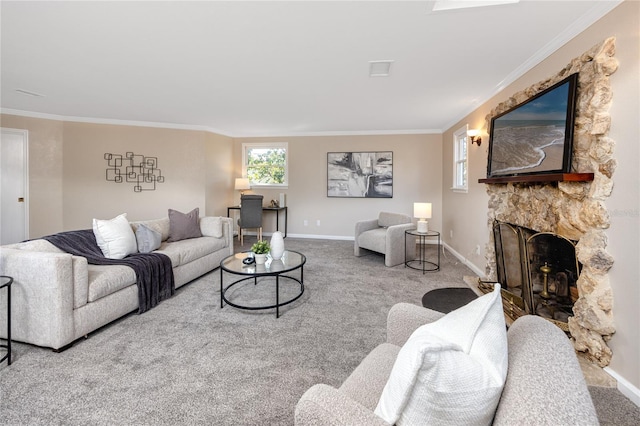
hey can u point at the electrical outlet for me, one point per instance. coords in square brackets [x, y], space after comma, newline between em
[478, 249]
[318, 222]
[306, 222]
[451, 233]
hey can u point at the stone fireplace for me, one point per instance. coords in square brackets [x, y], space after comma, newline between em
[573, 211]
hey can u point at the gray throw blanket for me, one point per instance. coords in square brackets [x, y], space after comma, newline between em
[154, 275]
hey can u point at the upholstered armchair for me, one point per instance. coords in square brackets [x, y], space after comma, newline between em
[544, 383]
[385, 235]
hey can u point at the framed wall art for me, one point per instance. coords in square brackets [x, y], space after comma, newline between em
[360, 174]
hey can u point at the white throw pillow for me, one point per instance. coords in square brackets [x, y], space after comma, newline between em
[451, 371]
[115, 237]
[211, 226]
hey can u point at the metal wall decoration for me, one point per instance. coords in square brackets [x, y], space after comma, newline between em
[360, 174]
[132, 168]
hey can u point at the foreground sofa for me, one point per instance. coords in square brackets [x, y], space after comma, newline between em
[544, 383]
[57, 297]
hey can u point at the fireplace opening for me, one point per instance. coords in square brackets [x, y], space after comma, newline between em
[538, 272]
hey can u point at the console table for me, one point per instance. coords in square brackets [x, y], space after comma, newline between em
[277, 211]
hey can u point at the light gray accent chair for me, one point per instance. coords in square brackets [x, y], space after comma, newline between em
[385, 235]
[544, 384]
[250, 215]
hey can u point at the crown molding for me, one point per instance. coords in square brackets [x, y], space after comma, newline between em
[600, 9]
[342, 133]
[94, 120]
[210, 129]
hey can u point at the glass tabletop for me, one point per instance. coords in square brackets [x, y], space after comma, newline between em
[5, 281]
[428, 233]
[290, 260]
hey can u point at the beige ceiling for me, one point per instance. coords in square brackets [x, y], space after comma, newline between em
[274, 68]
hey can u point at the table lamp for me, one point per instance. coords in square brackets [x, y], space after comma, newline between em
[422, 211]
[242, 184]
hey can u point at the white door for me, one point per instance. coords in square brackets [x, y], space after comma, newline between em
[14, 212]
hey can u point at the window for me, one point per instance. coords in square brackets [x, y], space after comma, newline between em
[266, 164]
[460, 167]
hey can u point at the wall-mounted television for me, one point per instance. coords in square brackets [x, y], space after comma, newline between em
[536, 136]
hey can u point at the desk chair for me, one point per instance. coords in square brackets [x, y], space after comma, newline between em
[250, 215]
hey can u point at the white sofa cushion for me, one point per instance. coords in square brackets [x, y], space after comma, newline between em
[211, 226]
[35, 245]
[451, 371]
[115, 237]
[374, 239]
[185, 251]
[107, 279]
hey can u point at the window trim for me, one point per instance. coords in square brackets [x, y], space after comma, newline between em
[460, 136]
[267, 145]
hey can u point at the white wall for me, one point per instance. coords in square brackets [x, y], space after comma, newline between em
[68, 186]
[417, 176]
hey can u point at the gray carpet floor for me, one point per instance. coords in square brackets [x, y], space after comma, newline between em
[188, 361]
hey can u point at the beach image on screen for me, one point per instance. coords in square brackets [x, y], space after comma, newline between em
[531, 138]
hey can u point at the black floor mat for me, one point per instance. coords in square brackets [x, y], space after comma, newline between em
[446, 300]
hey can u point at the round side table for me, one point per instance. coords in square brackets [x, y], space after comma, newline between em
[422, 263]
[5, 282]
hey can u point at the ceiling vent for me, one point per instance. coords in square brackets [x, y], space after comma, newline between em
[380, 68]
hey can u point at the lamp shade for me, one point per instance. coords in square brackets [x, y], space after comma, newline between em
[242, 184]
[422, 210]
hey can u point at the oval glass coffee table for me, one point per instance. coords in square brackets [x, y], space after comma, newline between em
[258, 275]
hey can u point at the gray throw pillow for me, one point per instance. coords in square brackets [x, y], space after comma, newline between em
[148, 239]
[183, 226]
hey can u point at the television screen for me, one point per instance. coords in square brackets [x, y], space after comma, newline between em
[536, 136]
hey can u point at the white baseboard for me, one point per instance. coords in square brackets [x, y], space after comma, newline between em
[301, 236]
[321, 237]
[333, 237]
[464, 260]
[625, 387]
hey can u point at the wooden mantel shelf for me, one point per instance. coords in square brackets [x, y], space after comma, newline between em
[549, 177]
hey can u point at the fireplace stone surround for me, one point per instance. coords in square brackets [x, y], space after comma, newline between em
[575, 210]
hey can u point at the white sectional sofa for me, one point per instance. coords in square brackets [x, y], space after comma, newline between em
[58, 297]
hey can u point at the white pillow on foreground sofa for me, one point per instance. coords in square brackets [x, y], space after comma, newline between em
[451, 371]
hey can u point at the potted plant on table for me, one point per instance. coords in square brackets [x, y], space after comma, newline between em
[260, 250]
